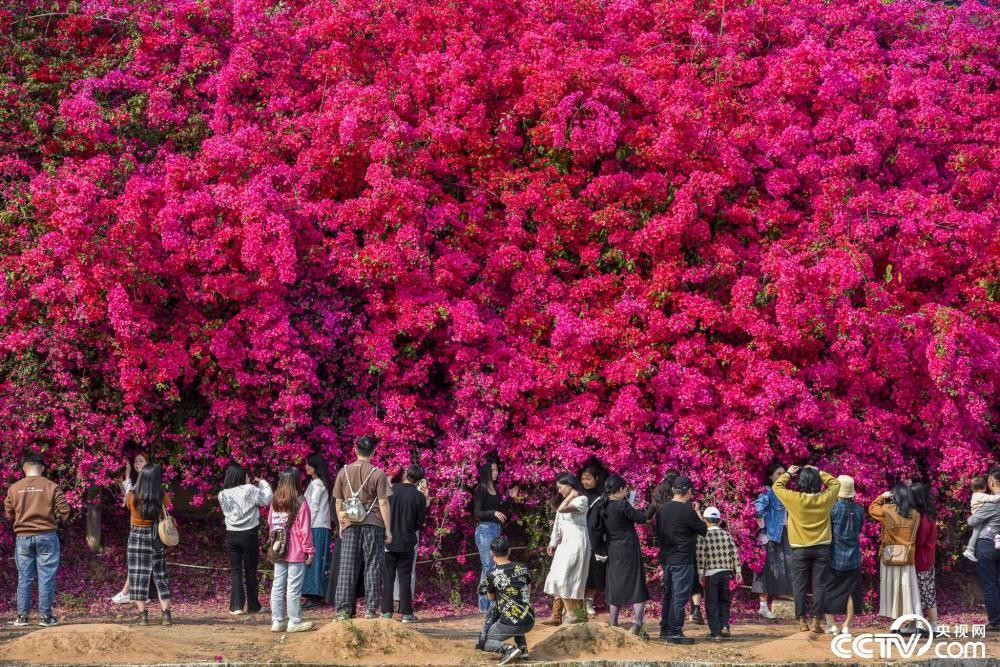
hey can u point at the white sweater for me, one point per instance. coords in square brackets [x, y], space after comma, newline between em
[319, 504]
[241, 504]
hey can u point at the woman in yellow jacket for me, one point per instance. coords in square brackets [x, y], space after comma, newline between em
[899, 591]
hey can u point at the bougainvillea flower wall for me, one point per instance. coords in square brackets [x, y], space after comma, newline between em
[694, 234]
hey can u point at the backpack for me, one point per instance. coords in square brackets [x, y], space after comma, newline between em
[277, 541]
[353, 507]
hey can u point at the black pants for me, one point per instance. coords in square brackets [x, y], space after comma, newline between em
[243, 549]
[717, 600]
[401, 563]
[810, 563]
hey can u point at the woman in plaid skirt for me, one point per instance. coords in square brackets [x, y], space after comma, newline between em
[145, 551]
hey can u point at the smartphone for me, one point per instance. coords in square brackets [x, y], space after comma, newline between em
[631, 497]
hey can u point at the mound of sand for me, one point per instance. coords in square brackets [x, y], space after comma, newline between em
[88, 644]
[799, 647]
[587, 640]
[377, 638]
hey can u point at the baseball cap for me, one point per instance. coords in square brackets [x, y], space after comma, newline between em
[712, 513]
[681, 484]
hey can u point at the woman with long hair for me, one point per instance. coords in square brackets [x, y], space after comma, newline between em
[592, 478]
[145, 554]
[569, 548]
[899, 590]
[776, 578]
[491, 513]
[318, 496]
[136, 463]
[240, 500]
[925, 553]
[626, 583]
[291, 514]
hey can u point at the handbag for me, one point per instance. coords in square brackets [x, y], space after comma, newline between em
[166, 530]
[899, 554]
[277, 541]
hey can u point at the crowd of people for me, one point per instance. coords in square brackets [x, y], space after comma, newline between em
[809, 526]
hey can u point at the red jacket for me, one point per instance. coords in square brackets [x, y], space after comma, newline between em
[926, 544]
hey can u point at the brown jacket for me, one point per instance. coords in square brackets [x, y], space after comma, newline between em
[895, 528]
[36, 505]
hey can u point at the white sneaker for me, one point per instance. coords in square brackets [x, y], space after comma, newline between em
[832, 630]
[277, 626]
[591, 612]
[970, 554]
[300, 627]
[237, 612]
[767, 613]
[121, 598]
[845, 631]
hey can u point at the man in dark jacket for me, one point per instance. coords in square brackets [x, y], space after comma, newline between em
[408, 511]
[677, 529]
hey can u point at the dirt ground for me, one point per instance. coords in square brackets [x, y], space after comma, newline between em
[432, 643]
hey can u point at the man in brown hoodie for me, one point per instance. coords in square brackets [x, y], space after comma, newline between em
[36, 505]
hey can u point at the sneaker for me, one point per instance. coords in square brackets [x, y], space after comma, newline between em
[510, 654]
[832, 630]
[409, 618]
[767, 613]
[48, 621]
[803, 625]
[371, 616]
[970, 554]
[387, 616]
[166, 619]
[816, 627]
[680, 639]
[120, 598]
[311, 603]
[845, 631]
[21, 620]
[637, 630]
[300, 627]
[236, 612]
[343, 616]
[725, 631]
[591, 612]
[278, 626]
[715, 638]
[696, 616]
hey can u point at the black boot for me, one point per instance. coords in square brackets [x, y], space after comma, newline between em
[696, 616]
[143, 618]
[166, 617]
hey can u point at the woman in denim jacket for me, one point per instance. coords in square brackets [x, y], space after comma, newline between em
[776, 578]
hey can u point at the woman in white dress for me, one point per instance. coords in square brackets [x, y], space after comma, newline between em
[570, 549]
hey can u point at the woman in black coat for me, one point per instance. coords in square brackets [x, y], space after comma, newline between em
[592, 478]
[626, 576]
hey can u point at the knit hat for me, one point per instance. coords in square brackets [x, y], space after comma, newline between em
[846, 486]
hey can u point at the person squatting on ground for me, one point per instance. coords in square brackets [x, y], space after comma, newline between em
[508, 587]
[36, 506]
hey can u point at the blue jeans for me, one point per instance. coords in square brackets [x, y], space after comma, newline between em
[988, 569]
[677, 583]
[486, 532]
[286, 591]
[36, 554]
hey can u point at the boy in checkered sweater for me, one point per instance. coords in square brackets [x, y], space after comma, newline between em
[718, 564]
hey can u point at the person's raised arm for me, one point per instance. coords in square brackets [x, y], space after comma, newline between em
[634, 515]
[780, 486]
[832, 487]
[877, 509]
